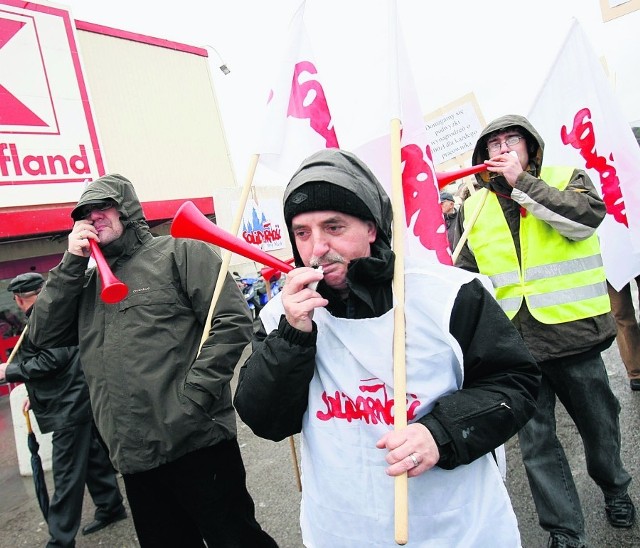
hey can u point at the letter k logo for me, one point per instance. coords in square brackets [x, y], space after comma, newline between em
[22, 74]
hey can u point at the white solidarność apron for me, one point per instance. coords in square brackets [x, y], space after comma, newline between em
[347, 498]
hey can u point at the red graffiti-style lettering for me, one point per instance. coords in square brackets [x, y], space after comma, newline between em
[266, 235]
[307, 100]
[369, 409]
[583, 138]
[419, 193]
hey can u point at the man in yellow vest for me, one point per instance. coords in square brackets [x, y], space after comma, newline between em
[535, 238]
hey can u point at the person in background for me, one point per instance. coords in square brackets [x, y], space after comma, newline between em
[536, 239]
[162, 404]
[59, 398]
[624, 312]
[449, 212]
[465, 192]
[628, 335]
[322, 365]
[10, 324]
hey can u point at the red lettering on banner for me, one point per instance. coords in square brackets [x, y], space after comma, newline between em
[307, 100]
[582, 137]
[369, 409]
[419, 190]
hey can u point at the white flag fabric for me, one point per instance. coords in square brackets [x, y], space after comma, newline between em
[365, 80]
[426, 234]
[297, 119]
[578, 117]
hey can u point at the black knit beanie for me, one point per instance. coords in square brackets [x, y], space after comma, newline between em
[323, 196]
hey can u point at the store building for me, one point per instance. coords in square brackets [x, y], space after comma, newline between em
[80, 100]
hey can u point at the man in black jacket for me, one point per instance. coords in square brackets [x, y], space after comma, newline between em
[59, 398]
[322, 365]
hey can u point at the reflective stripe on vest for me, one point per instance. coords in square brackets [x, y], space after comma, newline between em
[561, 280]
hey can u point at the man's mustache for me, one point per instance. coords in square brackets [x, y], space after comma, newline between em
[329, 258]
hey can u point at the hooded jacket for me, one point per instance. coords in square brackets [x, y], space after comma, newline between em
[277, 374]
[574, 212]
[154, 397]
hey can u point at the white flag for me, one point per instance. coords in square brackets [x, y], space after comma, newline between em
[426, 234]
[582, 125]
[297, 121]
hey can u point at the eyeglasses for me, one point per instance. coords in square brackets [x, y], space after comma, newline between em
[87, 210]
[495, 146]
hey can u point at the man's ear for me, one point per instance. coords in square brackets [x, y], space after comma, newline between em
[372, 231]
[19, 302]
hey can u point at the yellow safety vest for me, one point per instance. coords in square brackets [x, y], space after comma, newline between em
[561, 280]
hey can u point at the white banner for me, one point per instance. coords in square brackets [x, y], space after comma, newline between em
[297, 119]
[373, 83]
[582, 125]
[426, 233]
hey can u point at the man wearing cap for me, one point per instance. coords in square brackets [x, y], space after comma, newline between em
[59, 398]
[322, 365]
[161, 398]
[449, 212]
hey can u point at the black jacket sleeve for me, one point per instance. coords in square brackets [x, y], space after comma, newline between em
[41, 364]
[501, 381]
[273, 384]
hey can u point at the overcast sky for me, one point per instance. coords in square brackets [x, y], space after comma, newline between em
[499, 50]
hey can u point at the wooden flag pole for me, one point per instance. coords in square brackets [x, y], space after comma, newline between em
[17, 346]
[401, 484]
[470, 223]
[224, 268]
[226, 256]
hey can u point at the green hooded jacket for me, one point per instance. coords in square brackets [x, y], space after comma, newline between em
[154, 397]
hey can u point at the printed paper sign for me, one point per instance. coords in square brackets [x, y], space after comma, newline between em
[263, 224]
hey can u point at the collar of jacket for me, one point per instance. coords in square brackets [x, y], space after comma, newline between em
[369, 280]
[134, 236]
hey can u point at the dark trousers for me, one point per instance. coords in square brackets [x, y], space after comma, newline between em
[202, 495]
[583, 389]
[79, 459]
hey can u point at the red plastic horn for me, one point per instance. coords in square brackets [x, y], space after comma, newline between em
[267, 272]
[189, 222]
[446, 177]
[113, 290]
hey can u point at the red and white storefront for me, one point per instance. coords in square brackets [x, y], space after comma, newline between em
[78, 100]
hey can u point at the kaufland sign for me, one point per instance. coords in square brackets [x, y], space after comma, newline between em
[48, 139]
